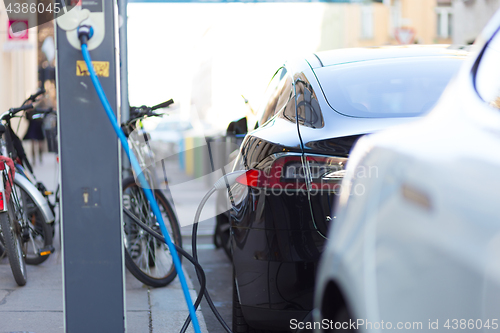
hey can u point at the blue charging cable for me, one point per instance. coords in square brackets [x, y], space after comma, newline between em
[84, 34]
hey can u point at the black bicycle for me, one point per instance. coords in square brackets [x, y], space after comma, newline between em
[27, 217]
[147, 258]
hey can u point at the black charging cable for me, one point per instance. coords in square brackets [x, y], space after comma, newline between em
[224, 182]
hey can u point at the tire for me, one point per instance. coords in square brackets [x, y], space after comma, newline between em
[146, 258]
[2, 247]
[11, 234]
[239, 323]
[40, 232]
[342, 316]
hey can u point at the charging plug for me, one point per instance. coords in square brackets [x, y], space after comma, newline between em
[85, 32]
[84, 25]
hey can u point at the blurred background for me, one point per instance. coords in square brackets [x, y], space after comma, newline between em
[207, 55]
[210, 57]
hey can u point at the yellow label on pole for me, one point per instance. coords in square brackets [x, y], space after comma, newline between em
[101, 68]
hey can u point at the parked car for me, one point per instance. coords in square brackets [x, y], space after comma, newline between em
[418, 246]
[317, 108]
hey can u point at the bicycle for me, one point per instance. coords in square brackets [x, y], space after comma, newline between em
[12, 233]
[30, 214]
[147, 258]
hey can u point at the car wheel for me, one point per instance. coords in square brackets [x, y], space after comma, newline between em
[239, 323]
[342, 316]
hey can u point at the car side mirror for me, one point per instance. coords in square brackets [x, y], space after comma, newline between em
[237, 127]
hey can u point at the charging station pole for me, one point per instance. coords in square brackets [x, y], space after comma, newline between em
[93, 272]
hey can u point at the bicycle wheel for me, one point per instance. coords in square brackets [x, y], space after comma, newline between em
[11, 234]
[148, 259]
[40, 234]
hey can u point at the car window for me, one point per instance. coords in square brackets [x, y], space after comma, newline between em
[488, 73]
[403, 87]
[308, 108]
[285, 93]
[278, 93]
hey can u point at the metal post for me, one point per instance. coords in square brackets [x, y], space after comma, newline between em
[124, 104]
[122, 8]
[93, 270]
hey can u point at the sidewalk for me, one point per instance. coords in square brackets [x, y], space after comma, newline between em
[38, 306]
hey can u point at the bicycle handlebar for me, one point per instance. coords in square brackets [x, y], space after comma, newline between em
[163, 105]
[35, 95]
[142, 111]
[22, 108]
[12, 111]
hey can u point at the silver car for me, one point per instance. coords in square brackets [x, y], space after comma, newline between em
[416, 241]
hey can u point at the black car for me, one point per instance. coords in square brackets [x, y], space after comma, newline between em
[282, 207]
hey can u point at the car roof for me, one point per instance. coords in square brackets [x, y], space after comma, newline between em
[350, 55]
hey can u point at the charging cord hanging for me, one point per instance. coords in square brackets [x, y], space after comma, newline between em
[84, 34]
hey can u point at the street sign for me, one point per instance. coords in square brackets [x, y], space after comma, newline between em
[17, 30]
[405, 35]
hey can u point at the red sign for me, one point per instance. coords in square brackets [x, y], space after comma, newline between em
[18, 30]
[405, 36]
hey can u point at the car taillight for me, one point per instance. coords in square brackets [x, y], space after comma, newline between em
[288, 172]
[325, 172]
[249, 178]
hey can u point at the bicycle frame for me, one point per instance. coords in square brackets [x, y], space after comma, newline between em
[22, 181]
[3, 201]
[138, 140]
[21, 218]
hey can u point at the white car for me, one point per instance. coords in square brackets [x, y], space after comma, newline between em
[416, 240]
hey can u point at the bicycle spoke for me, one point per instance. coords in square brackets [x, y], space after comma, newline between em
[147, 258]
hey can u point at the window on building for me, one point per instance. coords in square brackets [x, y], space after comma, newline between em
[444, 22]
[367, 22]
[450, 25]
[395, 17]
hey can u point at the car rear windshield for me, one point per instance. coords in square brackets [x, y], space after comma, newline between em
[403, 87]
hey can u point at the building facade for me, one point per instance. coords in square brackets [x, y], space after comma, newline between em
[470, 17]
[382, 22]
[18, 60]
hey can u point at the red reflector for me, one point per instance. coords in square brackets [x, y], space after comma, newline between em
[1, 201]
[249, 178]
